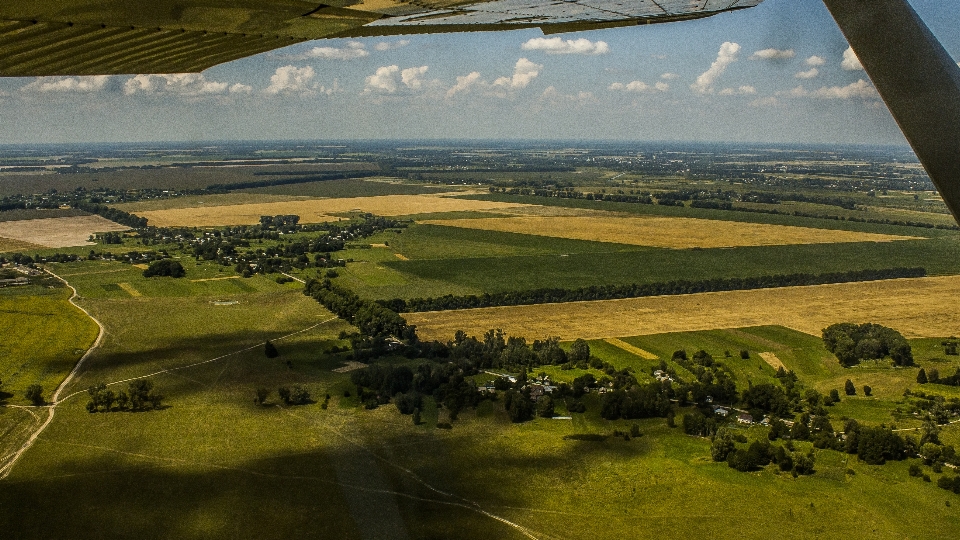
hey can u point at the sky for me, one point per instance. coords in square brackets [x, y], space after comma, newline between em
[779, 72]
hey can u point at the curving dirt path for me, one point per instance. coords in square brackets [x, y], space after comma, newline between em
[11, 460]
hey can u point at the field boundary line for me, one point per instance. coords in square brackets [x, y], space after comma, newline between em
[632, 349]
[54, 399]
[295, 278]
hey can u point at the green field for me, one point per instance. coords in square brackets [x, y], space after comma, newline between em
[445, 259]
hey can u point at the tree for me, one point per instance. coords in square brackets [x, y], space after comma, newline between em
[165, 267]
[416, 417]
[835, 396]
[722, 445]
[849, 388]
[270, 350]
[922, 376]
[34, 394]
[744, 354]
[545, 407]
[262, 394]
[579, 351]
[867, 390]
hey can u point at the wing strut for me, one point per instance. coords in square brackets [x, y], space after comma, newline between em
[916, 78]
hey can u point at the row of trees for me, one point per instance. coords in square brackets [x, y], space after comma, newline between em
[139, 396]
[933, 376]
[635, 290]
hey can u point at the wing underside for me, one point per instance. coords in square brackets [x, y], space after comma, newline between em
[105, 37]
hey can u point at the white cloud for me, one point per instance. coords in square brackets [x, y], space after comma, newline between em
[551, 94]
[413, 77]
[669, 76]
[815, 61]
[388, 46]
[850, 61]
[742, 91]
[860, 89]
[808, 74]
[639, 87]
[464, 83]
[354, 49]
[557, 45]
[68, 84]
[523, 73]
[384, 80]
[291, 80]
[726, 56]
[184, 84]
[239, 88]
[773, 54]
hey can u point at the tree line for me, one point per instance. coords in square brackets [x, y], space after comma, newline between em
[853, 343]
[635, 290]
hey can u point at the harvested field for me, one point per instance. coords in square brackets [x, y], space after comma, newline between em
[916, 307]
[316, 210]
[8, 245]
[58, 232]
[772, 359]
[632, 349]
[666, 232]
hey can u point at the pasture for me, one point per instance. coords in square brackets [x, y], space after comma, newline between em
[664, 232]
[315, 210]
[57, 232]
[913, 306]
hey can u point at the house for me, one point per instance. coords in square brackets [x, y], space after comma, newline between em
[745, 418]
[720, 410]
[536, 391]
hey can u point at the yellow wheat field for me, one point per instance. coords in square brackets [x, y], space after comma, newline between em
[58, 232]
[918, 307]
[665, 232]
[316, 210]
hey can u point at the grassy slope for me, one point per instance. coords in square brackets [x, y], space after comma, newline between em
[46, 336]
[213, 465]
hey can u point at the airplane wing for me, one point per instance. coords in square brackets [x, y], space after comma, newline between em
[109, 37]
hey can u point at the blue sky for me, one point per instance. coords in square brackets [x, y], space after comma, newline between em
[774, 73]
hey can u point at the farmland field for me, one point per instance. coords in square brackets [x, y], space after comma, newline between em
[913, 306]
[677, 233]
[57, 232]
[315, 210]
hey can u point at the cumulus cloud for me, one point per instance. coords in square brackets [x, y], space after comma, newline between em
[808, 74]
[727, 55]
[389, 46]
[669, 76]
[639, 87]
[291, 80]
[815, 61]
[742, 91]
[524, 72]
[384, 80]
[860, 89]
[184, 84]
[557, 45]
[850, 61]
[353, 49]
[413, 77]
[68, 84]
[464, 83]
[773, 54]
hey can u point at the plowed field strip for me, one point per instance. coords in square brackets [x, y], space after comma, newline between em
[632, 349]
